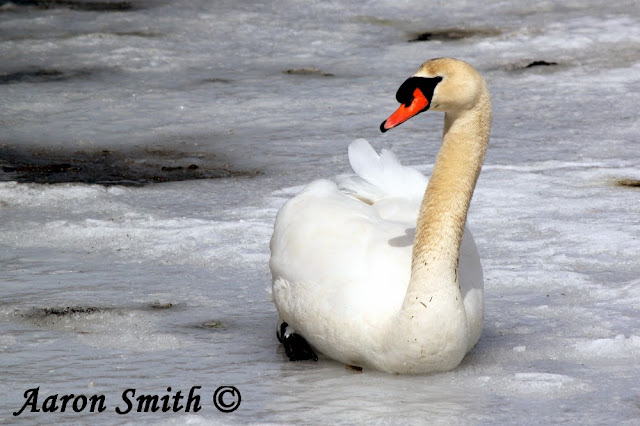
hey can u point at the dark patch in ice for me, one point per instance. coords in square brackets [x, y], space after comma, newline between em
[162, 305]
[540, 64]
[46, 75]
[111, 168]
[141, 34]
[52, 314]
[308, 71]
[44, 317]
[453, 34]
[175, 168]
[628, 183]
[525, 65]
[39, 168]
[85, 6]
[213, 325]
[43, 75]
[68, 311]
[216, 80]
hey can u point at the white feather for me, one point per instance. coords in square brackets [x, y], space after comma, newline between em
[380, 176]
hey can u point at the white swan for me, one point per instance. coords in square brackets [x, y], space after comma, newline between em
[368, 273]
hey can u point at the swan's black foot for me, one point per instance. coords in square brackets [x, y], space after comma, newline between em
[296, 348]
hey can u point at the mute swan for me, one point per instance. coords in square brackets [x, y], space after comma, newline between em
[372, 273]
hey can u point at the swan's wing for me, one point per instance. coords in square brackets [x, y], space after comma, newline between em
[471, 285]
[380, 176]
[333, 253]
[357, 235]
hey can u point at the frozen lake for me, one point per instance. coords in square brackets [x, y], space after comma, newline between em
[146, 146]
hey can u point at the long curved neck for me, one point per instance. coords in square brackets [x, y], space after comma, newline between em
[443, 212]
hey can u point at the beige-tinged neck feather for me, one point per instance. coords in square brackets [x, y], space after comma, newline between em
[443, 212]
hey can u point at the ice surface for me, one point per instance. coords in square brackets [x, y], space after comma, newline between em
[110, 287]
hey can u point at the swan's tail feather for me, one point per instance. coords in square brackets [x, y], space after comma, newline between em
[381, 175]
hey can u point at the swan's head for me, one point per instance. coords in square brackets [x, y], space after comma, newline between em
[441, 84]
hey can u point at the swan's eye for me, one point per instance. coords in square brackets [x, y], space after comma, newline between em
[427, 85]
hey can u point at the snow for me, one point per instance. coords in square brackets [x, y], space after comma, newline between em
[110, 287]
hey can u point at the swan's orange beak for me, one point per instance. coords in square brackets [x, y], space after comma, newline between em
[405, 112]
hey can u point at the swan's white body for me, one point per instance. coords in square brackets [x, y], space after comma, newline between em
[345, 270]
